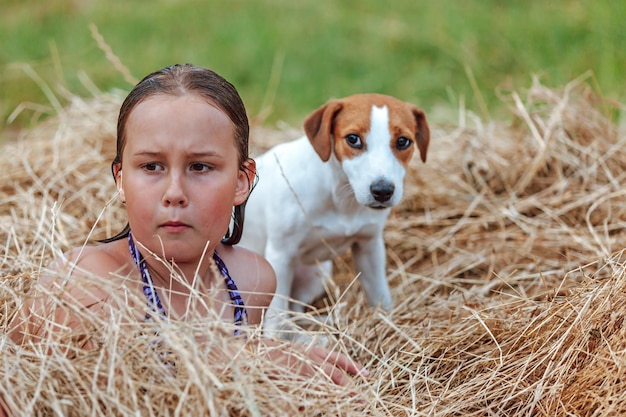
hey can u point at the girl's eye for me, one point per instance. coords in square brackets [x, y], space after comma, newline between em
[200, 167]
[152, 167]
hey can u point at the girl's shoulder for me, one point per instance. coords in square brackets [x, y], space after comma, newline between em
[249, 270]
[102, 260]
[254, 277]
[89, 274]
[83, 277]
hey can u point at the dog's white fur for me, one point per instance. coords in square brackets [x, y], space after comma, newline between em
[330, 191]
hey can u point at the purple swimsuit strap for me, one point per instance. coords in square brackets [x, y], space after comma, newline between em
[154, 302]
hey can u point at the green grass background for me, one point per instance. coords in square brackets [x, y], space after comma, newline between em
[287, 57]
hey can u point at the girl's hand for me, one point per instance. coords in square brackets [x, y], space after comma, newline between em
[335, 365]
[306, 360]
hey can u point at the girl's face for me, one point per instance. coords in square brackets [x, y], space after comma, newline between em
[180, 175]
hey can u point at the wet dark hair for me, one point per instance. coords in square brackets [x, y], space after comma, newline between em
[178, 80]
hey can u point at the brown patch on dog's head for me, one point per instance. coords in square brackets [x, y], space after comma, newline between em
[408, 121]
[349, 119]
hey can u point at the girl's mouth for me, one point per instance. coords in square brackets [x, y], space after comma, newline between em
[174, 226]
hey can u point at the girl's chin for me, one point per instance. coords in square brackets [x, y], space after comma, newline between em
[183, 251]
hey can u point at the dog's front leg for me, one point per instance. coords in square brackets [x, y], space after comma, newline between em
[370, 261]
[278, 311]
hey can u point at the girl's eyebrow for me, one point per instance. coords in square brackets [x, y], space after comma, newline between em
[204, 153]
[147, 153]
[193, 154]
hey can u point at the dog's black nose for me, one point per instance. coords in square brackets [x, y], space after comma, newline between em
[382, 190]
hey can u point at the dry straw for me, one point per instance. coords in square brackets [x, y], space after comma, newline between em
[505, 260]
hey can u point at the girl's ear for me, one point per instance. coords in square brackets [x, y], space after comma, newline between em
[117, 169]
[245, 181]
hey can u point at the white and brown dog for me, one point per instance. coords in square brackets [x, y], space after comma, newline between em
[332, 190]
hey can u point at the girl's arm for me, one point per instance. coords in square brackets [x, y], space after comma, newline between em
[258, 282]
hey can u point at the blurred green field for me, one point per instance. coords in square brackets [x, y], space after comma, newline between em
[287, 57]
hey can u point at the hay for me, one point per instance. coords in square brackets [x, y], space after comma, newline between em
[505, 259]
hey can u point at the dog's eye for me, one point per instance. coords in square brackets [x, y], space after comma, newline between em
[402, 143]
[354, 141]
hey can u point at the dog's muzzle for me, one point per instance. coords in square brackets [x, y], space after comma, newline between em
[382, 191]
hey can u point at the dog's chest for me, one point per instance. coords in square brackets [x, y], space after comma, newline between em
[334, 235]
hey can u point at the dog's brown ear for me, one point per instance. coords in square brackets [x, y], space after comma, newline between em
[422, 134]
[318, 127]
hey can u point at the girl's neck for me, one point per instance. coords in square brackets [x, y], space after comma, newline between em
[177, 277]
[184, 277]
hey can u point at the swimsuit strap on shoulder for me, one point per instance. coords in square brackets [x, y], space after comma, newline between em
[241, 314]
[154, 302]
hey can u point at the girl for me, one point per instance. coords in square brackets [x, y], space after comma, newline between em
[182, 170]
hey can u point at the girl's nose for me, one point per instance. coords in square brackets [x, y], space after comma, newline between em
[175, 194]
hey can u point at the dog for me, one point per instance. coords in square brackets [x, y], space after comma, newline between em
[329, 191]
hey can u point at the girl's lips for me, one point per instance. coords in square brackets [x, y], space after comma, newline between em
[175, 227]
